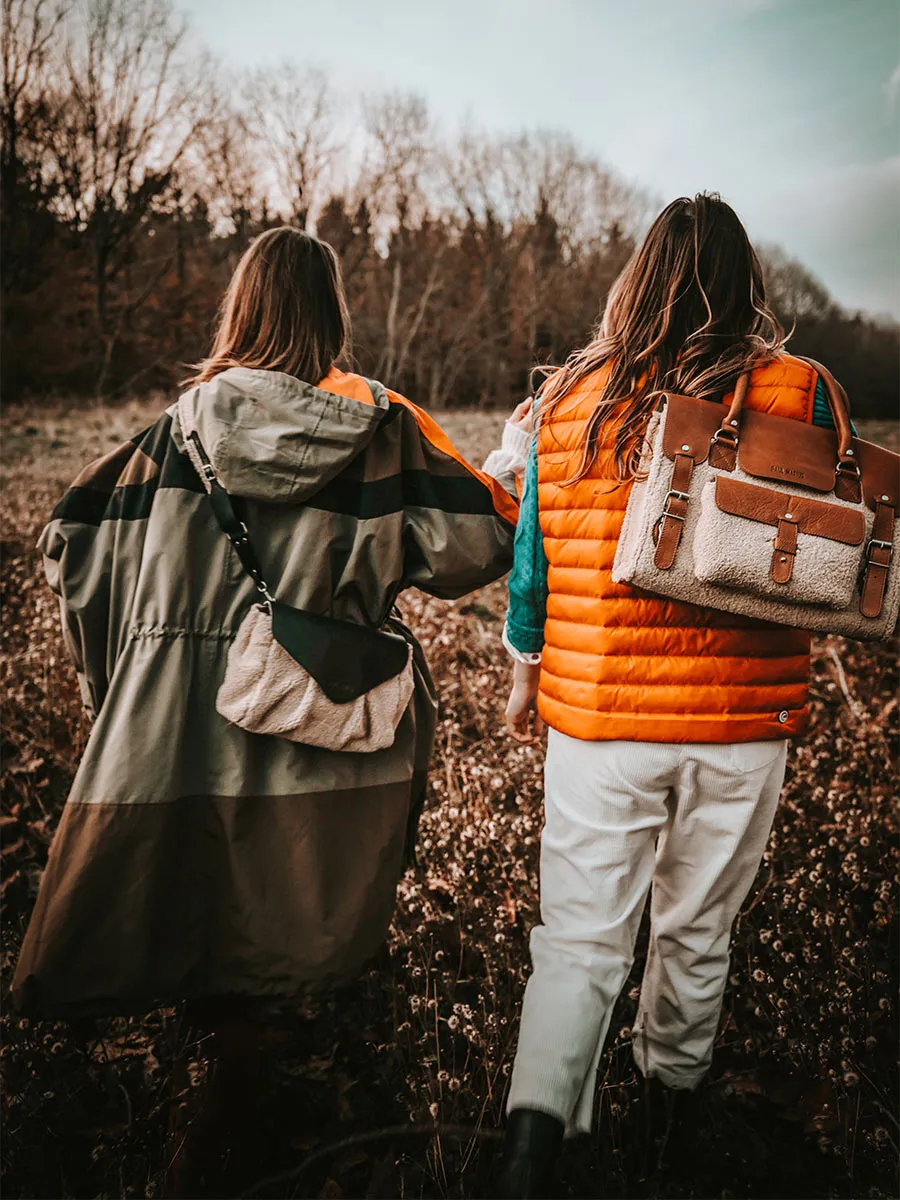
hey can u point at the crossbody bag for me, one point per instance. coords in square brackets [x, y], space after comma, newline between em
[301, 675]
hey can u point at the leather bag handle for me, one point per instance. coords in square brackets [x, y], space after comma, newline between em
[839, 405]
[732, 422]
[725, 439]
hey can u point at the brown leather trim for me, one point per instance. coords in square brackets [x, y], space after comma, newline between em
[785, 551]
[879, 553]
[690, 422]
[781, 449]
[671, 522]
[837, 402]
[815, 517]
[723, 450]
[788, 451]
[732, 420]
[847, 483]
[880, 469]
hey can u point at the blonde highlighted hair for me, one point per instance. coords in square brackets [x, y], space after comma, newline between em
[284, 310]
[687, 314]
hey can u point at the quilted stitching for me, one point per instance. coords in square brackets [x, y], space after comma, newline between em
[622, 664]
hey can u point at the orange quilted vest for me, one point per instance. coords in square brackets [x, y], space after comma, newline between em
[622, 664]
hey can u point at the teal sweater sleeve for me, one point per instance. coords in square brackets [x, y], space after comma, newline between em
[528, 581]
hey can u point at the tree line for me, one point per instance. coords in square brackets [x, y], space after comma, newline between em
[133, 174]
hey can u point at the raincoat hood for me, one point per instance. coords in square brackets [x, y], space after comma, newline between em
[273, 437]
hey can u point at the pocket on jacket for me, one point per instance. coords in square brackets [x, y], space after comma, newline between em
[748, 757]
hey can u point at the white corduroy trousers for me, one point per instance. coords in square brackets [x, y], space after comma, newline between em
[691, 821]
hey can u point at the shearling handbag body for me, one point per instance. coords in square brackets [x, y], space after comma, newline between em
[766, 516]
[301, 675]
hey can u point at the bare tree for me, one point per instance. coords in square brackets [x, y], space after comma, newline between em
[396, 160]
[29, 28]
[295, 116]
[132, 105]
[227, 171]
[793, 291]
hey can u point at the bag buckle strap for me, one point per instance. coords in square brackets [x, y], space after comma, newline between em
[784, 549]
[727, 436]
[723, 449]
[877, 558]
[871, 544]
[670, 526]
[848, 479]
[673, 494]
[234, 528]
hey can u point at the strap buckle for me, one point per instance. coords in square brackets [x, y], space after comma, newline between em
[674, 494]
[263, 589]
[873, 542]
[657, 528]
[727, 436]
[848, 466]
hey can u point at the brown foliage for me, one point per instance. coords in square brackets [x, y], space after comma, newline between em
[132, 178]
[802, 1100]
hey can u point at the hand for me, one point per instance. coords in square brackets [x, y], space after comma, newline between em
[522, 719]
[522, 415]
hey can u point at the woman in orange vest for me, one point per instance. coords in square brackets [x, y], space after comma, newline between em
[667, 722]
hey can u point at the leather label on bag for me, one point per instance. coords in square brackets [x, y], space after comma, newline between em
[773, 447]
[816, 517]
[779, 449]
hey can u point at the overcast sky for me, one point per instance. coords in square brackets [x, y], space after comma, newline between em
[789, 108]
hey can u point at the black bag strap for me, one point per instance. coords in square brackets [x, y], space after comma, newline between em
[238, 533]
[229, 522]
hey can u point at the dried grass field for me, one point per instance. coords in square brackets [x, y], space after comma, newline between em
[394, 1086]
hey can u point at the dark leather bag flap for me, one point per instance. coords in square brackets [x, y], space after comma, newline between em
[816, 517]
[690, 423]
[880, 470]
[781, 448]
[346, 660]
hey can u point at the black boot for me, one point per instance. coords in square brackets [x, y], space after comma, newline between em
[672, 1117]
[530, 1150]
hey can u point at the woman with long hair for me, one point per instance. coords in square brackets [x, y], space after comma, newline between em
[668, 723]
[195, 860]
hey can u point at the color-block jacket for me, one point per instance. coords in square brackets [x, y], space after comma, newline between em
[621, 664]
[193, 858]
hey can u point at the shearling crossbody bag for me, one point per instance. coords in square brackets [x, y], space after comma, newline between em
[766, 516]
[302, 675]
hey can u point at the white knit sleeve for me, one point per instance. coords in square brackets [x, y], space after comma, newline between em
[512, 454]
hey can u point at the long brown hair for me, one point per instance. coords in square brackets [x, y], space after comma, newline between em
[284, 310]
[688, 313]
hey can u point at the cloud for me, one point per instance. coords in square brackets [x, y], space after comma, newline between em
[843, 221]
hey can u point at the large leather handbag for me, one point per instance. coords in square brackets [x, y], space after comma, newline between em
[766, 516]
[301, 675]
